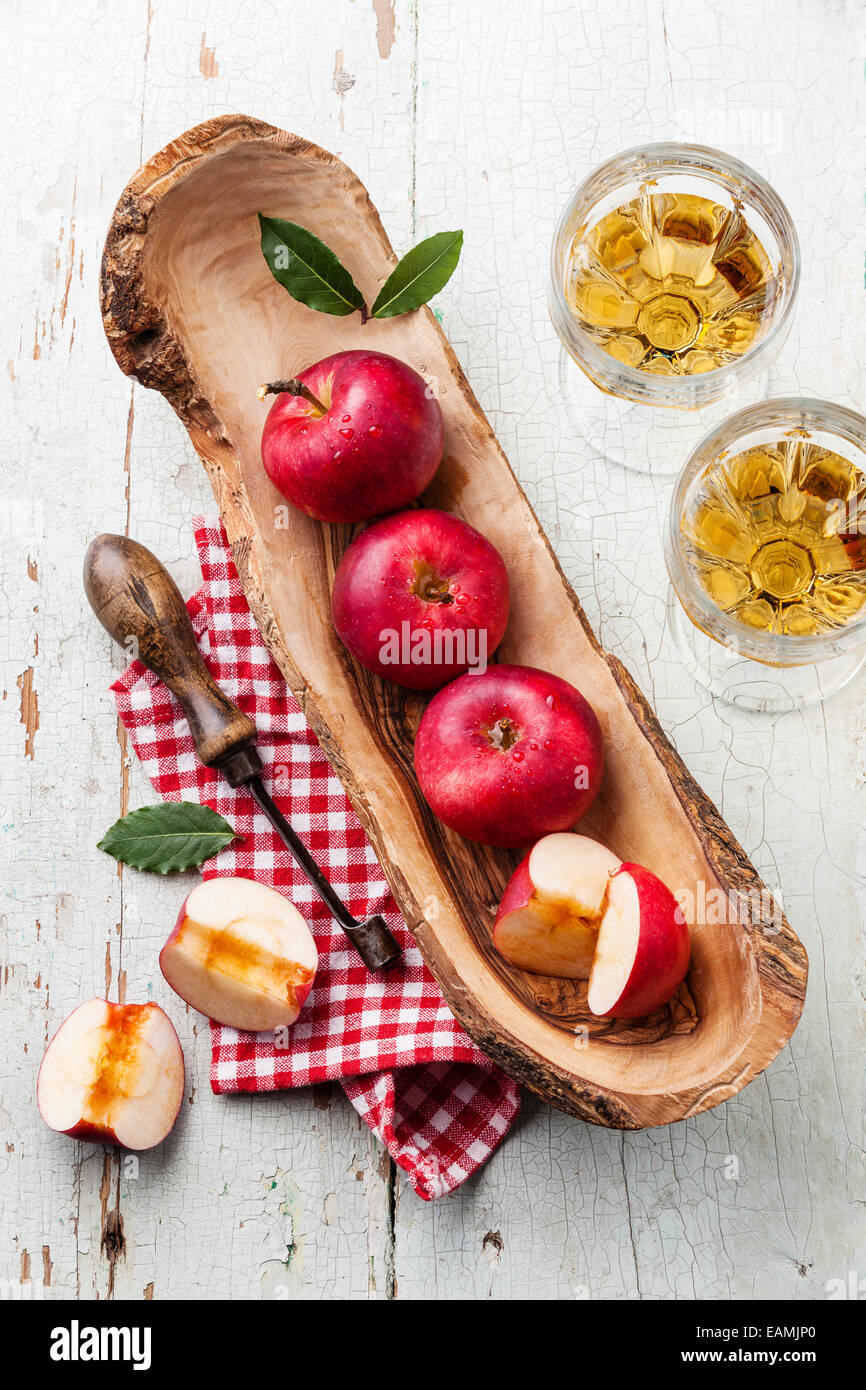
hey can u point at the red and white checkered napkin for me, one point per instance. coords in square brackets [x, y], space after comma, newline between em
[436, 1102]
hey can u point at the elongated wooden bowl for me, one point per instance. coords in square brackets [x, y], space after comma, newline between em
[190, 308]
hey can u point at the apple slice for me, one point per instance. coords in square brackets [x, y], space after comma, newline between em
[549, 917]
[643, 947]
[113, 1073]
[242, 954]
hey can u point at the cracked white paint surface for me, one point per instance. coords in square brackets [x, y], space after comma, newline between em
[481, 116]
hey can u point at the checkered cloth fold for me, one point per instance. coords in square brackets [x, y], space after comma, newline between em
[423, 1087]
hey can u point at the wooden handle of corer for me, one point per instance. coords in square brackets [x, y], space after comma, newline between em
[139, 604]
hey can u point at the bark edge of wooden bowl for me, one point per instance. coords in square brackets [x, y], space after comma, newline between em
[190, 309]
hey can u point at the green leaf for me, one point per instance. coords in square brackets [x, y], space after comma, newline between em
[422, 273]
[307, 268]
[165, 839]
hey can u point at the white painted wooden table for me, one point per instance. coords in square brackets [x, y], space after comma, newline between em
[482, 116]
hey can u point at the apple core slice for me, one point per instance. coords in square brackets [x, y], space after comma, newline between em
[573, 871]
[242, 954]
[113, 1073]
[549, 917]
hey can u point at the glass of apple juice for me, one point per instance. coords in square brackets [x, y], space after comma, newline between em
[766, 550]
[673, 276]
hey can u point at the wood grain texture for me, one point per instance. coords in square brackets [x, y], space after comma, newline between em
[190, 310]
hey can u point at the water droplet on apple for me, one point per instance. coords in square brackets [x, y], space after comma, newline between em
[347, 434]
[533, 746]
[549, 743]
[518, 755]
[346, 419]
[375, 431]
[336, 456]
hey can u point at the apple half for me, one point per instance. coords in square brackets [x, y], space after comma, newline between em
[242, 954]
[573, 910]
[113, 1073]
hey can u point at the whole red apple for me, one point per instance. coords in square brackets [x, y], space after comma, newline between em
[421, 597]
[509, 756]
[366, 437]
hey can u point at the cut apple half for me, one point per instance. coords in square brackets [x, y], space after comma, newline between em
[242, 954]
[550, 914]
[571, 909]
[113, 1073]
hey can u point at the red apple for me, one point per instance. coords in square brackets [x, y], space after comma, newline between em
[113, 1073]
[241, 954]
[370, 444]
[510, 755]
[549, 917]
[643, 946]
[419, 597]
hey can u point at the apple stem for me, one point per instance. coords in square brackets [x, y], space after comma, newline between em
[365, 313]
[432, 593]
[503, 734]
[291, 387]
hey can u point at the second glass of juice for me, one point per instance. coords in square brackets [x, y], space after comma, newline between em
[674, 272]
